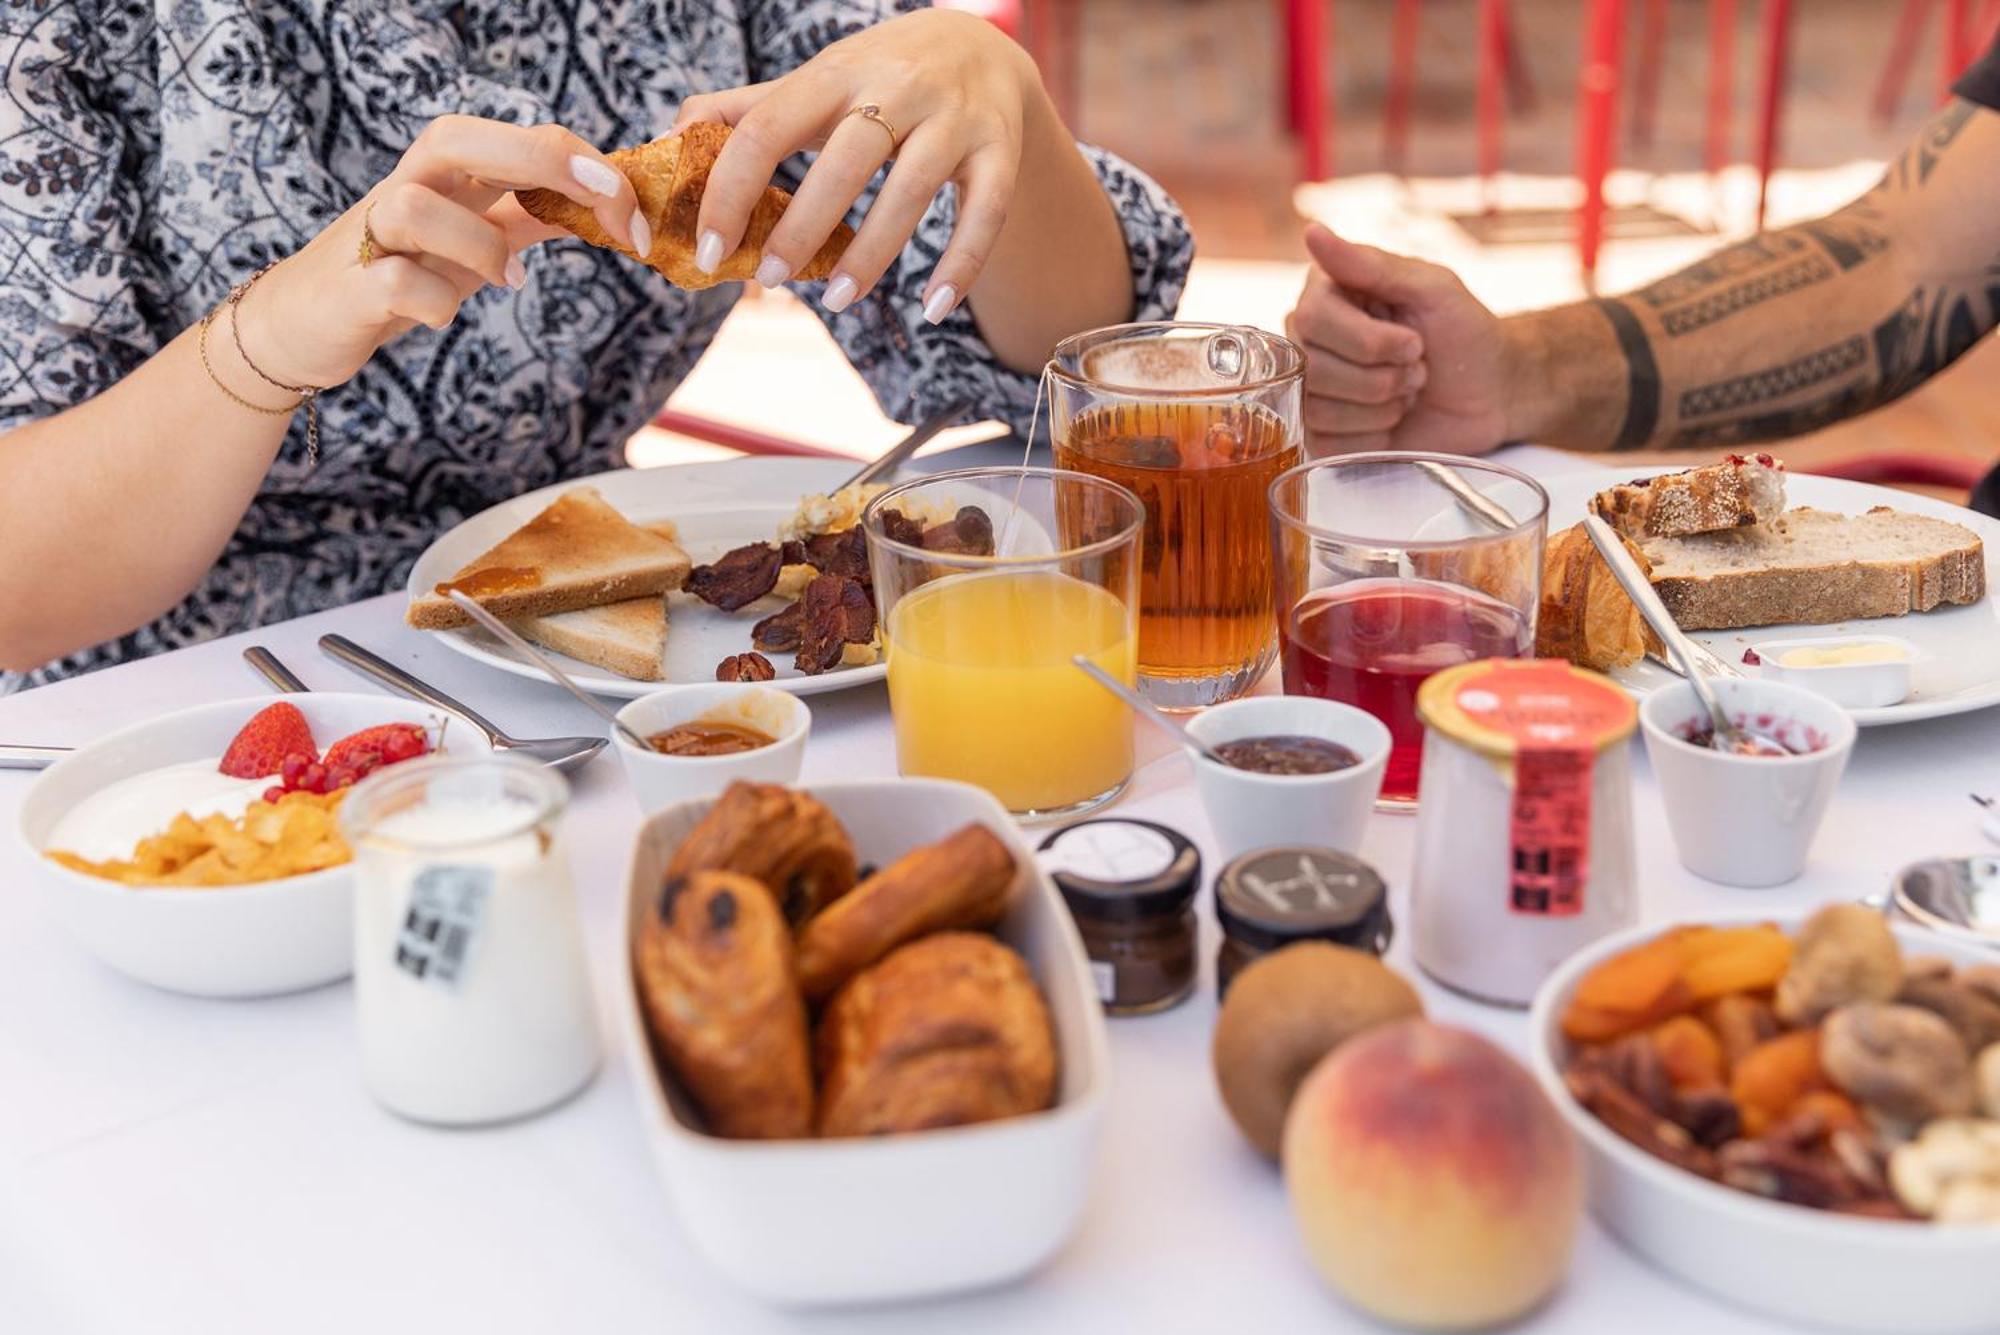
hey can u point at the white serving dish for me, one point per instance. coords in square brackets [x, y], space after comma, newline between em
[659, 781]
[811, 1222]
[1784, 1260]
[1746, 820]
[1851, 685]
[1248, 811]
[234, 941]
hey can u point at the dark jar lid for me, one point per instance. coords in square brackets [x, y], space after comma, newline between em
[1119, 870]
[1274, 896]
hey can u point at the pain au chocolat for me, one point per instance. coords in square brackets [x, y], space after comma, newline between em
[669, 176]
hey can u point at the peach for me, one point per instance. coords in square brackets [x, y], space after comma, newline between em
[1434, 1183]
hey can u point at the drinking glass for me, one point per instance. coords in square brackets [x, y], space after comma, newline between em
[1393, 566]
[983, 685]
[1197, 419]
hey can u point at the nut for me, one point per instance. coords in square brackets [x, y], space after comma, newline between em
[1624, 1112]
[1981, 978]
[1634, 1061]
[1973, 1016]
[1741, 1023]
[1900, 1061]
[1788, 1173]
[1986, 1080]
[1845, 953]
[1951, 1171]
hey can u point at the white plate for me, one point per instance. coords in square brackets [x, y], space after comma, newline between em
[718, 506]
[1959, 668]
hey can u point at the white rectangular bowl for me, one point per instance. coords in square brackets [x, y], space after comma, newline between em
[822, 1222]
[1798, 1264]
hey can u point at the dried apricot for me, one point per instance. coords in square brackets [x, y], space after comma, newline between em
[1735, 959]
[1691, 1051]
[1633, 990]
[1771, 1077]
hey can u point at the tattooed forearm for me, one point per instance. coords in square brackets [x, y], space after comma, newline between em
[1786, 332]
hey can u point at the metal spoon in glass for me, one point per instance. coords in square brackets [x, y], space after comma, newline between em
[1724, 735]
[1145, 709]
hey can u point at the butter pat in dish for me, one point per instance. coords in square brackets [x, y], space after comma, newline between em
[1855, 671]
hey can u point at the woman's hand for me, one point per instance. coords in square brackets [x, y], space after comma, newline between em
[444, 224]
[958, 93]
[1399, 354]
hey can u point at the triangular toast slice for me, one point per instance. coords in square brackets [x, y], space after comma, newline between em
[628, 638]
[669, 176]
[577, 553]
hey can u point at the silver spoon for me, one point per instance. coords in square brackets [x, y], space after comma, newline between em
[512, 638]
[908, 445]
[560, 753]
[41, 757]
[1146, 710]
[1724, 735]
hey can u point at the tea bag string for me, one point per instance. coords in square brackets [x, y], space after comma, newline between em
[1003, 544]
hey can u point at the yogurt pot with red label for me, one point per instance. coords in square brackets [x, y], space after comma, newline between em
[1524, 826]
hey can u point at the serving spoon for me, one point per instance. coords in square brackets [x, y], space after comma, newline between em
[1147, 710]
[558, 753]
[1724, 735]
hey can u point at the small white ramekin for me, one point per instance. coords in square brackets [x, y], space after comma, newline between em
[658, 781]
[1247, 810]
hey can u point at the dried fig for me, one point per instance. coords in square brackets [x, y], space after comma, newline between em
[1900, 1061]
[1974, 1016]
[1845, 953]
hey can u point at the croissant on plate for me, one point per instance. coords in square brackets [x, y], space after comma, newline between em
[669, 175]
[1585, 617]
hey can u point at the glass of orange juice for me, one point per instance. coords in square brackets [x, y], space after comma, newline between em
[990, 582]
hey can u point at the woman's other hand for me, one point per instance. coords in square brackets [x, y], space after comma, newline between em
[957, 93]
[1399, 354]
[444, 225]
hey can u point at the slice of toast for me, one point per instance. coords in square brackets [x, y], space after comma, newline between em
[1736, 493]
[1811, 567]
[577, 553]
[628, 638]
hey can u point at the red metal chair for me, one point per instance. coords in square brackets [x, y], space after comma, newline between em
[1601, 83]
[1964, 38]
[1308, 27]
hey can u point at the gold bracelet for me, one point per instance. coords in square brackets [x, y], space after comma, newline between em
[307, 394]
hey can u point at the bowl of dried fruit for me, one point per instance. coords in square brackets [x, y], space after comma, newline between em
[1800, 1115]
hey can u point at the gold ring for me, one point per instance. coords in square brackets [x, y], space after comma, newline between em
[370, 247]
[872, 111]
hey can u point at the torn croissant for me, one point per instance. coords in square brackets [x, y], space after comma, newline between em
[669, 175]
[1585, 617]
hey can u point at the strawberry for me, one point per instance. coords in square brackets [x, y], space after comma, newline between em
[385, 743]
[259, 750]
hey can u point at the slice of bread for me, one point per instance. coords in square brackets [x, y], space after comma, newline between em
[1735, 493]
[1811, 567]
[577, 553]
[629, 638]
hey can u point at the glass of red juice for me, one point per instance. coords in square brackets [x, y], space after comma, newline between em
[1390, 567]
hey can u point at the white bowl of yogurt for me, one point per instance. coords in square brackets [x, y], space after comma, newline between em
[233, 941]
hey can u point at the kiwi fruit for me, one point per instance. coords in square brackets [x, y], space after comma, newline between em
[1285, 1012]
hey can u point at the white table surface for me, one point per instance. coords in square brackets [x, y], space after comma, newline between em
[170, 1164]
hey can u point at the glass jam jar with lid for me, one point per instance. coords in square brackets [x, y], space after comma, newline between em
[1130, 886]
[1271, 897]
[1524, 835]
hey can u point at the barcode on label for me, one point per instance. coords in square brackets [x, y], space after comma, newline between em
[447, 909]
[1550, 832]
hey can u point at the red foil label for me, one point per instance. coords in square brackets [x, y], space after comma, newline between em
[1555, 720]
[1549, 833]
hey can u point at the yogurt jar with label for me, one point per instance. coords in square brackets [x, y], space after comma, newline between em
[472, 995]
[1524, 825]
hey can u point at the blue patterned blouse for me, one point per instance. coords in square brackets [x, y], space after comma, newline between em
[154, 152]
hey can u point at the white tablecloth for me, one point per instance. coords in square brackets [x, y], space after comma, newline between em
[170, 1164]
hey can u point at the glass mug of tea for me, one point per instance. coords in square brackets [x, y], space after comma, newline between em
[982, 635]
[1196, 419]
[1391, 567]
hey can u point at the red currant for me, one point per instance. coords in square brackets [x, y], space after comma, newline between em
[292, 767]
[313, 779]
[273, 793]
